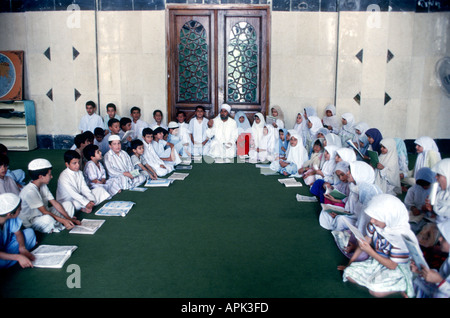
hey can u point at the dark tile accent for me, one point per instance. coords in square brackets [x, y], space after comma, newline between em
[47, 54]
[62, 141]
[39, 5]
[281, 5]
[75, 53]
[387, 98]
[357, 98]
[328, 5]
[17, 5]
[76, 93]
[149, 5]
[50, 94]
[403, 5]
[180, 1]
[305, 5]
[363, 5]
[62, 5]
[44, 141]
[5, 6]
[390, 56]
[212, 1]
[359, 55]
[115, 5]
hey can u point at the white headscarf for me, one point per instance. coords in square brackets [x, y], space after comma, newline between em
[362, 172]
[428, 144]
[390, 162]
[442, 205]
[350, 122]
[346, 154]
[245, 125]
[257, 129]
[328, 166]
[390, 210]
[333, 139]
[316, 125]
[297, 154]
[333, 120]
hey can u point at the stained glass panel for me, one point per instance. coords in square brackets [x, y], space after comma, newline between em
[193, 63]
[242, 64]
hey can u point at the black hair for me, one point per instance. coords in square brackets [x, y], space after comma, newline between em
[4, 160]
[89, 151]
[181, 112]
[71, 154]
[134, 108]
[112, 121]
[147, 131]
[124, 120]
[79, 139]
[111, 105]
[91, 103]
[422, 183]
[157, 111]
[135, 143]
[158, 130]
[34, 174]
[3, 149]
[99, 131]
[200, 107]
[89, 135]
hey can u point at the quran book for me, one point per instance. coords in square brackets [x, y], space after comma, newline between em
[115, 208]
[270, 120]
[52, 256]
[88, 226]
[183, 167]
[330, 208]
[126, 135]
[354, 230]
[433, 192]
[158, 183]
[178, 176]
[338, 195]
[351, 144]
[290, 182]
[373, 155]
[415, 253]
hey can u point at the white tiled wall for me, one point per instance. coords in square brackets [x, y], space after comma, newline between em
[313, 63]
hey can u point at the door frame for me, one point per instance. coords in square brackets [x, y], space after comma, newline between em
[171, 81]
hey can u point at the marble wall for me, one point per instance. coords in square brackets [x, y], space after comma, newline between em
[377, 65]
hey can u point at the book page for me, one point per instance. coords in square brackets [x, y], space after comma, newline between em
[88, 226]
[415, 253]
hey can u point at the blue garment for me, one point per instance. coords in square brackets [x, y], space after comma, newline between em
[377, 137]
[289, 169]
[8, 242]
[283, 143]
[318, 190]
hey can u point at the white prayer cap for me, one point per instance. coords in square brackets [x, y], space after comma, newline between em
[113, 137]
[38, 164]
[8, 202]
[226, 107]
[172, 124]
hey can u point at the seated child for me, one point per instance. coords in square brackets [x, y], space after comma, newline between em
[158, 117]
[309, 166]
[387, 174]
[386, 270]
[72, 186]
[283, 143]
[36, 198]
[163, 149]
[184, 133]
[416, 196]
[126, 133]
[100, 140]
[7, 184]
[296, 156]
[18, 175]
[114, 128]
[324, 175]
[137, 124]
[151, 157]
[341, 184]
[16, 243]
[197, 129]
[138, 159]
[95, 173]
[430, 283]
[174, 138]
[111, 112]
[119, 166]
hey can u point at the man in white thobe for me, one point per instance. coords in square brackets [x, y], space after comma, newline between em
[223, 133]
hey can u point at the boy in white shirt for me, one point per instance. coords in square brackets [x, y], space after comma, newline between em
[197, 130]
[91, 120]
[36, 197]
[72, 186]
[151, 156]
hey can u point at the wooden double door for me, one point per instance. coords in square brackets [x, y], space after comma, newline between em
[218, 54]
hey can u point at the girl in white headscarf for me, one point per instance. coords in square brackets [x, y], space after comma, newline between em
[279, 117]
[345, 154]
[314, 124]
[347, 131]
[387, 270]
[330, 120]
[242, 122]
[332, 139]
[427, 156]
[387, 170]
[257, 134]
[325, 173]
[296, 155]
[266, 150]
[431, 283]
[301, 127]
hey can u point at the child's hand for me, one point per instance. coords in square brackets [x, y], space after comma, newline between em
[23, 251]
[380, 166]
[341, 267]
[431, 275]
[24, 261]
[67, 224]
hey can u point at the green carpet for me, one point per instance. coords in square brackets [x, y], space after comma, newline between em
[226, 231]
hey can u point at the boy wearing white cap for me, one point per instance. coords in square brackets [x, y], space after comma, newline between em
[119, 166]
[18, 243]
[35, 199]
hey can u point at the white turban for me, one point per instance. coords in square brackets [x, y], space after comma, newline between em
[38, 164]
[113, 137]
[226, 107]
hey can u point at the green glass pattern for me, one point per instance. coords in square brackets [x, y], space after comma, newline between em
[193, 63]
[242, 64]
